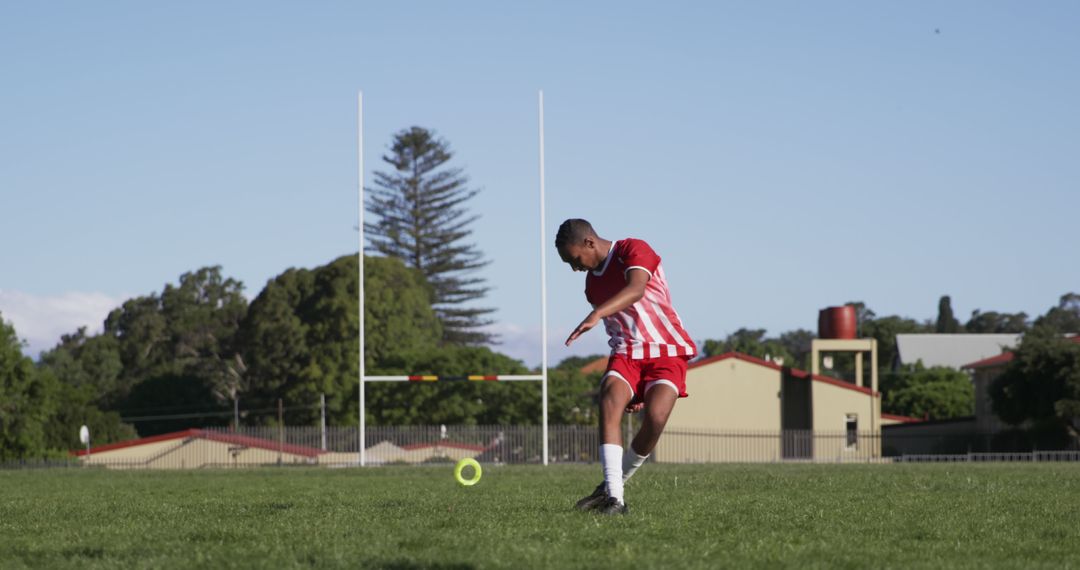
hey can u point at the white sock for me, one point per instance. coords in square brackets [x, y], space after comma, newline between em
[630, 463]
[611, 458]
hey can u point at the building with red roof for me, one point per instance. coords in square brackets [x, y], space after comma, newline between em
[742, 408]
[201, 448]
[983, 373]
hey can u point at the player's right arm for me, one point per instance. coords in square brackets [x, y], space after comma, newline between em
[636, 279]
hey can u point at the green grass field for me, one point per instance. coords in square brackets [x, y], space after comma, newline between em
[734, 516]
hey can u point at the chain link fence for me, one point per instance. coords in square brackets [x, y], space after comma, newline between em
[418, 445]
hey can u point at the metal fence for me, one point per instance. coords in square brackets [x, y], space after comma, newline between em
[990, 457]
[917, 440]
[767, 446]
[415, 445]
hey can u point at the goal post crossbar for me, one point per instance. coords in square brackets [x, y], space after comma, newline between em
[458, 378]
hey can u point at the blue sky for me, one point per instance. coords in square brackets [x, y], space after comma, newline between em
[930, 147]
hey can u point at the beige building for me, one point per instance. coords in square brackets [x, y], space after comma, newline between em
[197, 449]
[743, 408]
[983, 372]
[386, 452]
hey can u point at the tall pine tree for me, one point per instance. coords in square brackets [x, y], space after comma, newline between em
[946, 322]
[421, 219]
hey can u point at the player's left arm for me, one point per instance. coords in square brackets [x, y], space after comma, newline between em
[636, 280]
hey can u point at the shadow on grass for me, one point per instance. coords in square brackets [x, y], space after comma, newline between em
[414, 565]
[83, 552]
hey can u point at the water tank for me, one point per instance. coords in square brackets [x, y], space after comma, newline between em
[837, 322]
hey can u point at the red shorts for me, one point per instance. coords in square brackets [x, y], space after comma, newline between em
[642, 375]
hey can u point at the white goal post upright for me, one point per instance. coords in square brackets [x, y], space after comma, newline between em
[542, 377]
[360, 255]
[543, 287]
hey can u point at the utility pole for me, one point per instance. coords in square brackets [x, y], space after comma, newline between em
[281, 430]
[323, 422]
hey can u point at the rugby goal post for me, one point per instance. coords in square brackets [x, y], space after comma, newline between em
[542, 377]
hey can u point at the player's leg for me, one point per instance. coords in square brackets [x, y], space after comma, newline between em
[659, 403]
[665, 384]
[614, 397]
[660, 398]
[613, 389]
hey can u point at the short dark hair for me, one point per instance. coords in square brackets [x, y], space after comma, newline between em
[574, 230]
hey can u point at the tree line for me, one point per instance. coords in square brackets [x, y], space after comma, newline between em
[185, 357]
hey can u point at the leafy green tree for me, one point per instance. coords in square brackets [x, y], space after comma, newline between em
[1042, 383]
[87, 364]
[189, 328]
[174, 350]
[421, 220]
[946, 323]
[397, 309]
[172, 401]
[27, 399]
[937, 392]
[204, 314]
[75, 408]
[86, 370]
[751, 342]
[1065, 317]
[140, 332]
[577, 362]
[994, 322]
[572, 396]
[273, 340]
[299, 339]
[797, 343]
[884, 330]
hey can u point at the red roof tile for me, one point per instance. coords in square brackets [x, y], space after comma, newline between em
[901, 419]
[1003, 358]
[450, 444]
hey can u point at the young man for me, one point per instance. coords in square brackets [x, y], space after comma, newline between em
[649, 348]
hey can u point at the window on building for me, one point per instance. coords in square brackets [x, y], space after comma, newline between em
[851, 426]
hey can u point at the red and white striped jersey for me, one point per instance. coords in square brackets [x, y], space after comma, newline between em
[650, 328]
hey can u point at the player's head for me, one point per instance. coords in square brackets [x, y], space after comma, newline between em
[579, 246]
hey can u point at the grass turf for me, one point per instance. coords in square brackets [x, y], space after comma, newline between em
[736, 516]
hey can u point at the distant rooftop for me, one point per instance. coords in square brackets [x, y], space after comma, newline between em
[1006, 357]
[952, 350]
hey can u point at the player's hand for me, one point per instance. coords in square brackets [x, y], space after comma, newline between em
[635, 408]
[590, 321]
